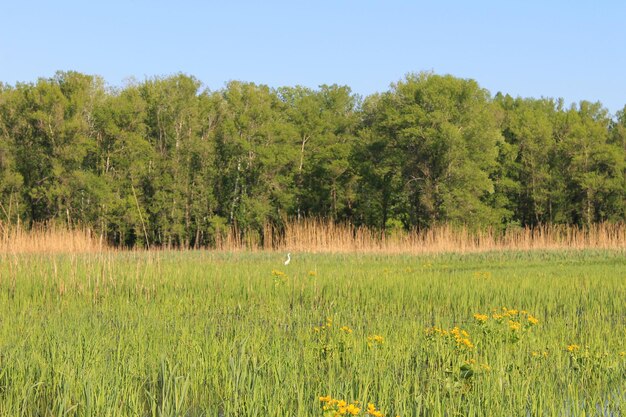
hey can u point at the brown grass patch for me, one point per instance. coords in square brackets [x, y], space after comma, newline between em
[323, 236]
[326, 237]
[49, 239]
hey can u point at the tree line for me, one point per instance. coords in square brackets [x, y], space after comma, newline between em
[168, 162]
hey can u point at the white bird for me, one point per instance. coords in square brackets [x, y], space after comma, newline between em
[288, 259]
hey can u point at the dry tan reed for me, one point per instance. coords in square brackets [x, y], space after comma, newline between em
[322, 236]
[48, 239]
[314, 235]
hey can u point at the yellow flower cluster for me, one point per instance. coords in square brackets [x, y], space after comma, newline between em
[460, 336]
[481, 318]
[573, 348]
[329, 324]
[335, 407]
[515, 317]
[330, 334]
[375, 339]
[372, 411]
[279, 277]
[346, 329]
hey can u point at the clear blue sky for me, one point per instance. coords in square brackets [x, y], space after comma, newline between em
[570, 49]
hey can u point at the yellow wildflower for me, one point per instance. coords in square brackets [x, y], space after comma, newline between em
[375, 338]
[572, 348]
[346, 329]
[326, 399]
[466, 342]
[482, 318]
[312, 273]
[532, 320]
[372, 411]
[514, 325]
[353, 409]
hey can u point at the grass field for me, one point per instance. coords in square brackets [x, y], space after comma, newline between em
[216, 334]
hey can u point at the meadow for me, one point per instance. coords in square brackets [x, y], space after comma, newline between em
[199, 333]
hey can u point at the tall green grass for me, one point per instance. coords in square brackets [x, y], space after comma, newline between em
[218, 334]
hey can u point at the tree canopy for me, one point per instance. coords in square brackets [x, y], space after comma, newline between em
[168, 162]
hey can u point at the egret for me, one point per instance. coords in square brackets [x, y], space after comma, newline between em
[288, 259]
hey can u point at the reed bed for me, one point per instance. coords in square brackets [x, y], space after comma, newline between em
[321, 236]
[49, 238]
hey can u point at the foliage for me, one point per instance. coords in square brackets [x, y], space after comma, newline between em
[166, 162]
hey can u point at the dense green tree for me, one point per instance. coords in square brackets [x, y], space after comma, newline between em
[528, 128]
[323, 125]
[11, 181]
[594, 165]
[50, 126]
[379, 165]
[618, 139]
[254, 164]
[166, 162]
[440, 134]
[124, 159]
[173, 128]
